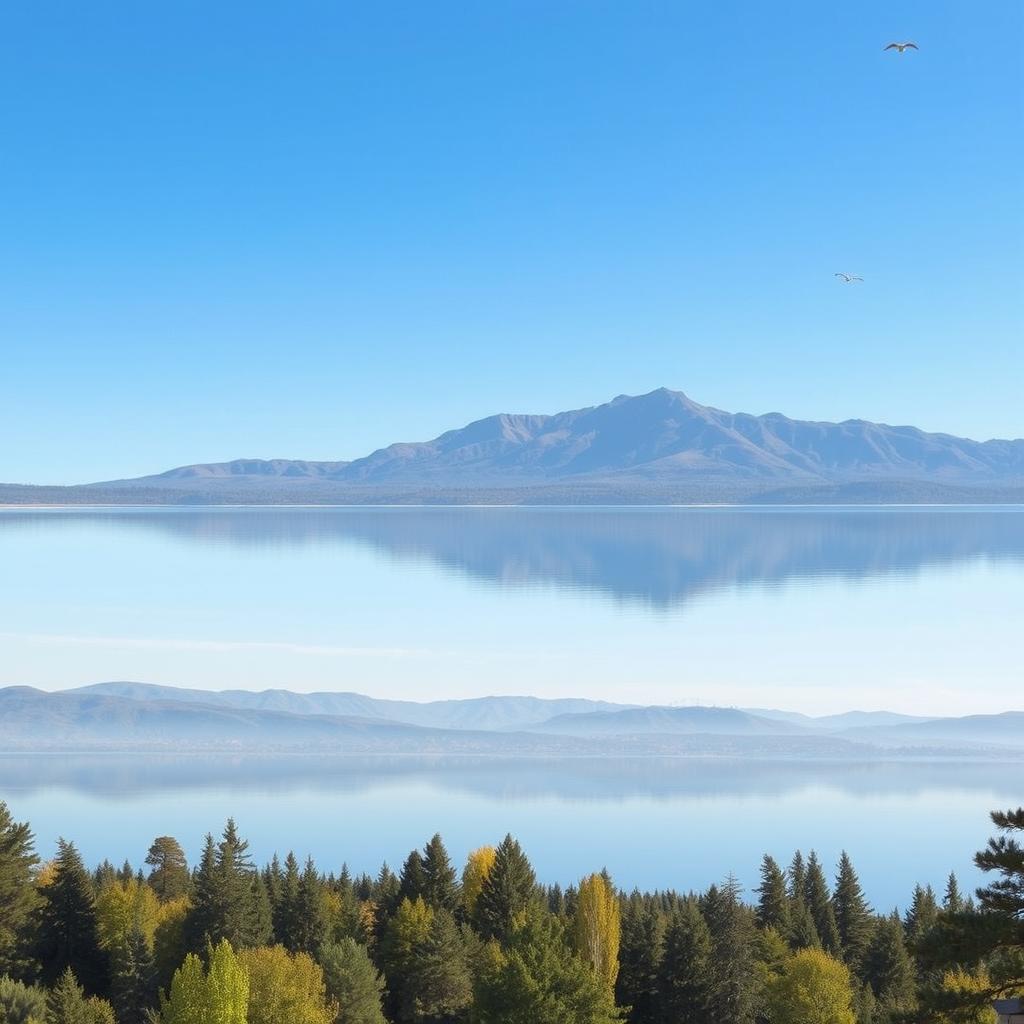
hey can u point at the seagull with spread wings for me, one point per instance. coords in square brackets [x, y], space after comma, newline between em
[901, 47]
[849, 278]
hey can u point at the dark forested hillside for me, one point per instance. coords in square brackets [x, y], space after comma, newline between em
[225, 941]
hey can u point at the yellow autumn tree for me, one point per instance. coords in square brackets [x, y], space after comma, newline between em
[478, 867]
[286, 988]
[217, 995]
[811, 988]
[121, 907]
[597, 927]
[170, 943]
[965, 988]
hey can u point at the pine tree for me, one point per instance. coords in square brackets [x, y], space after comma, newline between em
[21, 1003]
[685, 976]
[732, 933]
[773, 900]
[922, 916]
[640, 957]
[286, 910]
[440, 888]
[273, 884]
[65, 925]
[169, 876]
[133, 986]
[262, 919]
[226, 896]
[819, 902]
[438, 976]
[536, 979]
[953, 902]
[17, 893]
[507, 891]
[888, 968]
[310, 928]
[67, 1003]
[803, 932]
[852, 914]
[413, 879]
[353, 982]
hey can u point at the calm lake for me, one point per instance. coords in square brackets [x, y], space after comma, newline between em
[815, 610]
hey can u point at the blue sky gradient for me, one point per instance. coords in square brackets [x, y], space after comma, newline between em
[311, 229]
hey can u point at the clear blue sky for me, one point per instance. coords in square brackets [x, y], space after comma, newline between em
[313, 228]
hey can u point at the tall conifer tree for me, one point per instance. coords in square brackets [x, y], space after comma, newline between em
[685, 975]
[17, 893]
[852, 914]
[507, 891]
[819, 902]
[773, 900]
[65, 925]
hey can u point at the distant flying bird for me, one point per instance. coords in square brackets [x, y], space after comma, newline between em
[902, 47]
[849, 278]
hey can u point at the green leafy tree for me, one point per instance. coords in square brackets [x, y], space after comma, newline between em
[506, 893]
[353, 982]
[17, 892]
[285, 988]
[65, 925]
[685, 976]
[168, 877]
[218, 994]
[537, 979]
[853, 916]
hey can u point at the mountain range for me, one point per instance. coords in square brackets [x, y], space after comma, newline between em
[119, 716]
[662, 445]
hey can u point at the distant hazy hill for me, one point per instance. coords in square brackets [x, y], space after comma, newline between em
[137, 715]
[486, 713]
[31, 719]
[1006, 729]
[662, 446]
[664, 720]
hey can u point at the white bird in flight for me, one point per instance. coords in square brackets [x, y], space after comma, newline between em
[849, 278]
[901, 47]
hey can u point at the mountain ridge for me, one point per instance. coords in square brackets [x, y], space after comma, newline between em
[656, 439]
[110, 716]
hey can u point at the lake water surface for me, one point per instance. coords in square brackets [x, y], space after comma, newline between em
[816, 610]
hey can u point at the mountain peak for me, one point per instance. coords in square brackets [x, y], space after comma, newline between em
[662, 436]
